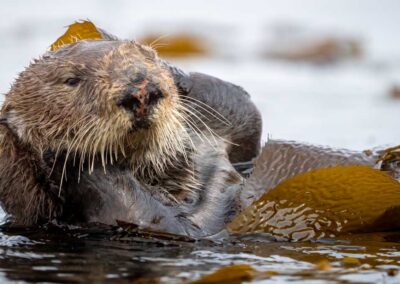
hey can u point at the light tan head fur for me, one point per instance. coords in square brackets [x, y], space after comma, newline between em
[50, 111]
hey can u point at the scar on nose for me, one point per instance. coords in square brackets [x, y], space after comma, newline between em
[143, 85]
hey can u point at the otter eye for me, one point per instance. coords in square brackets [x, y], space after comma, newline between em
[72, 82]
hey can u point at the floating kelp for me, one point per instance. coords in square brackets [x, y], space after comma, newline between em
[230, 274]
[395, 92]
[325, 203]
[299, 44]
[300, 191]
[281, 159]
[77, 31]
[178, 45]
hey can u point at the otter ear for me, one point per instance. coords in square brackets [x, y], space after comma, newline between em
[84, 30]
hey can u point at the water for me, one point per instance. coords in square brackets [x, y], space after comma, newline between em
[344, 105]
[89, 256]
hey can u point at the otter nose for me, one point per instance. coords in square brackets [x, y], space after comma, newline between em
[140, 98]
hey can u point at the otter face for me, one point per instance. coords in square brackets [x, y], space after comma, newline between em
[99, 98]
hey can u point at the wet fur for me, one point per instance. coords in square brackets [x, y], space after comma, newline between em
[73, 155]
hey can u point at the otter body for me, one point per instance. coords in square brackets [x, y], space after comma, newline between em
[203, 211]
[100, 131]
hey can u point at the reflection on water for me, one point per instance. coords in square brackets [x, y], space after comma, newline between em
[344, 105]
[84, 255]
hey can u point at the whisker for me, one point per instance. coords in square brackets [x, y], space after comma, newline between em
[213, 134]
[207, 128]
[193, 126]
[158, 39]
[62, 141]
[206, 106]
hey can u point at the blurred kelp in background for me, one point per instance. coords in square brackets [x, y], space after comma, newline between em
[321, 71]
[325, 72]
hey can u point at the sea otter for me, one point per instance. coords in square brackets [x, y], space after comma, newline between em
[104, 130]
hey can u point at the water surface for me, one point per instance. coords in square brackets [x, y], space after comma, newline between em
[79, 256]
[344, 105]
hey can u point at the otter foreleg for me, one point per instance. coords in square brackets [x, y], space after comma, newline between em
[25, 191]
[226, 108]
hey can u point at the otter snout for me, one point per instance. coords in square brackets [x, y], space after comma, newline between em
[140, 98]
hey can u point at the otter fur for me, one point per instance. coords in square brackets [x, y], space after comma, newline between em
[104, 130]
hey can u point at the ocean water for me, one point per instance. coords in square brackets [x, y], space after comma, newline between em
[343, 104]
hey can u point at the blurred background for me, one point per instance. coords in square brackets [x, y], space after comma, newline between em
[320, 71]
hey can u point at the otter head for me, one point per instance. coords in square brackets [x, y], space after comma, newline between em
[99, 100]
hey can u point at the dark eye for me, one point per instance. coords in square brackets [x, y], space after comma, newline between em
[72, 82]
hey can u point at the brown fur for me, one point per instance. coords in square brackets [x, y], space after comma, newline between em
[73, 150]
[26, 193]
[44, 114]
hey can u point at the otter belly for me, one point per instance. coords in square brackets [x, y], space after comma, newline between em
[114, 194]
[111, 194]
